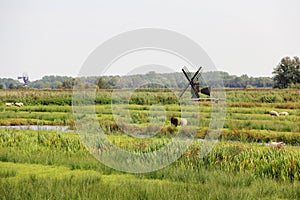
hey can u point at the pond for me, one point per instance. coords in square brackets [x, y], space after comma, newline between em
[40, 127]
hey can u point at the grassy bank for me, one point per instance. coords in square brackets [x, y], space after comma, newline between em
[56, 165]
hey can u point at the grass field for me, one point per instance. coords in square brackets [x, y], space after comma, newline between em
[56, 165]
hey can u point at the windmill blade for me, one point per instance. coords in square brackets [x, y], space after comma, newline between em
[188, 73]
[192, 79]
[184, 70]
[184, 90]
[196, 74]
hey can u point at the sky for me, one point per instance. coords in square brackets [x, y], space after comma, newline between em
[56, 37]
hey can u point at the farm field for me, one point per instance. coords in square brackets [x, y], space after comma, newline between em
[45, 164]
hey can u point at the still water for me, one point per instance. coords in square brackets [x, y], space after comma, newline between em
[42, 127]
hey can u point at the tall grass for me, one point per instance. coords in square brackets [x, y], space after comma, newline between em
[51, 147]
[55, 165]
[181, 184]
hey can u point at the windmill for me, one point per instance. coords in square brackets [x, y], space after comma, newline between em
[194, 83]
[25, 78]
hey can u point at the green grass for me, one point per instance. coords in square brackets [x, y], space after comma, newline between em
[34, 181]
[49, 148]
[55, 165]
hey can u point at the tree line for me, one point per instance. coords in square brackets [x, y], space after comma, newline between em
[286, 75]
[148, 80]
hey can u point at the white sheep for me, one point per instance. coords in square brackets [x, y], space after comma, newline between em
[277, 145]
[20, 104]
[283, 113]
[9, 104]
[274, 113]
[183, 122]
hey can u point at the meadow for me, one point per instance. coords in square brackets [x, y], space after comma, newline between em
[56, 165]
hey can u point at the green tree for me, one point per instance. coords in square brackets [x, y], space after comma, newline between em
[1, 86]
[101, 83]
[11, 86]
[287, 72]
[112, 81]
[68, 84]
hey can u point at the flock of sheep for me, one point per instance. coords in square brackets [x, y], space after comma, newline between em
[276, 114]
[18, 104]
[183, 122]
[278, 145]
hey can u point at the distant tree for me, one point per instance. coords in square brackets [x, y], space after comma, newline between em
[101, 83]
[11, 86]
[287, 72]
[68, 84]
[1, 86]
[112, 81]
[56, 84]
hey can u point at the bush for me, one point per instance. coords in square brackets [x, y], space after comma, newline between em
[271, 99]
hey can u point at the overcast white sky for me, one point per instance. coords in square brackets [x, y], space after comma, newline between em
[55, 37]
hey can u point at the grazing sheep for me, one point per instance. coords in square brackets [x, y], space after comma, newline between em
[283, 113]
[183, 122]
[274, 113]
[277, 145]
[9, 104]
[20, 104]
[174, 121]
